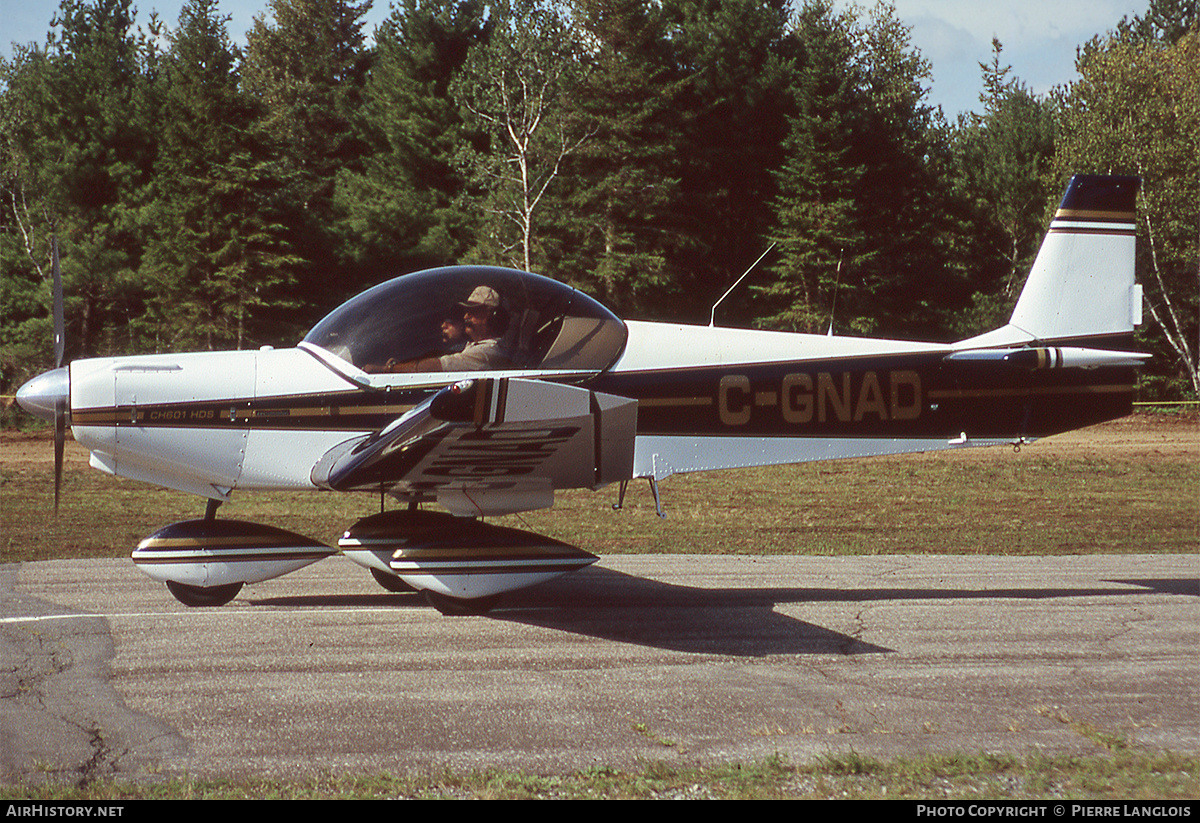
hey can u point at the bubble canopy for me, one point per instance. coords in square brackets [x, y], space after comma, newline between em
[538, 323]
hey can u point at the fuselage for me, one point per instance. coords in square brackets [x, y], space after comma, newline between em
[707, 398]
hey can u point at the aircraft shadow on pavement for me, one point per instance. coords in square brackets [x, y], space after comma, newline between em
[605, 603]
[1181, 586]
[611, 605]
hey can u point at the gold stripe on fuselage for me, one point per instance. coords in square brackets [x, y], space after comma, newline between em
[956, 394]
[675, 401]
[223, 414]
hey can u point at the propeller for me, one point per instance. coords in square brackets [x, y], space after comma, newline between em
[48, 396]
[60, 402]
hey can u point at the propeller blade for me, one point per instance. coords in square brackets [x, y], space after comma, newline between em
[60, 416]
[60, 404]
[59, 321]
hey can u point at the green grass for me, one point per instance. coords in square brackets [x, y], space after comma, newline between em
[1129, 774]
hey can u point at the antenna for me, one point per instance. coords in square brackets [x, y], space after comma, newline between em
[712, 317]
[837, 281]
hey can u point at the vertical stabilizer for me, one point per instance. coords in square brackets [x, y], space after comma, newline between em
[1081, 284]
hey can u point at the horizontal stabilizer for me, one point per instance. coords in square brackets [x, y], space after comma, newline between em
[1050, 358]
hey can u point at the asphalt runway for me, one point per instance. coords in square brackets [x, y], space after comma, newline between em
[682, 659]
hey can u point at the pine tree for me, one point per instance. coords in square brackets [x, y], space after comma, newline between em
[816, 209]
[862, 218]
[26, 223]
[307, 68]
[1003, 159]
[80, 145]
[402, 210]
[737, 58]
[617, 238]
[214, 260]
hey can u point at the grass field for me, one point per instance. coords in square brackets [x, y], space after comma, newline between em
[1128, 486]
[1125, 774]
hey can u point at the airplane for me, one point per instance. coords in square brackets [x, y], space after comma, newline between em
[553, 391]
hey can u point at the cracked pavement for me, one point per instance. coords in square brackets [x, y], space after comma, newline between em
[62, 720]
[685, 659]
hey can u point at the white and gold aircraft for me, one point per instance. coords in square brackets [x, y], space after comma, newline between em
[548, 390]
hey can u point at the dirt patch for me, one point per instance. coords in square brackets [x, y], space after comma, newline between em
[1138, 435]
[17, 448]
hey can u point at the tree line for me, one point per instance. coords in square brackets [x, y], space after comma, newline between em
[206, 195]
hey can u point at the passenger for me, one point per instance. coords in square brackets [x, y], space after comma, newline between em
[454, 334]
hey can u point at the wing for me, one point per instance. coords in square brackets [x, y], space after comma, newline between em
[491, 446]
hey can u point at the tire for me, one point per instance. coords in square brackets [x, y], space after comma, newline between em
[201, 596]
[460, 607]
[391, 582]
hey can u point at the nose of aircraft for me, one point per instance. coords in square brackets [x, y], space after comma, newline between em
[41, 395]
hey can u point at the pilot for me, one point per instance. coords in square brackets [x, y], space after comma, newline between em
[483, 323]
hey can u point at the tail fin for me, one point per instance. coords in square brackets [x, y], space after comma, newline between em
[1081, 285]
